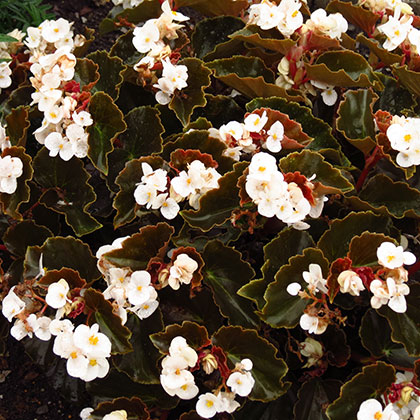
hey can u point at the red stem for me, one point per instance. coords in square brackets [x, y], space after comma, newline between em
[370, 162]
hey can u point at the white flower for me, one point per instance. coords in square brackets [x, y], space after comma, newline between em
[146, 309]
[179, 17]
[262, 166]
[146, 37]
[350, 282]
[233, 128]
[97, 367]
[43, 330]
[11, 168]
[293, 288]
[207, 405]
[57, 144]
[372, 410]
[241, 383]
[179, 347]
[174, 372]
[57, 294]
[275, 136]
[246, 364]
[314, 279]
[227, 402]
[145, 195]
[139, 289]
[53, 30]
[57, 326]
[12, 305]
[116, 415]
[313, 324]
[85, 414]
[91, 341]
[396, 30]
[380, 294]
[18, 331]
[392, 256]
[312, 349]
[397, 292]
[82, 118]
[254, 123]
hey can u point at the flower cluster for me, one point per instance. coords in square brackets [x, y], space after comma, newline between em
[403, 135]
[286, 16]
[372, 409]
[248, 136]
[274, 196]
[154, 192]
[57, 94]
[174, 77]
[11, 168]
[240, 382]
[85, 348]
[393, 290]
[379, 6]
[175, 378]
[332, 25]
[130, 291]
[312, 349]
[152, 39]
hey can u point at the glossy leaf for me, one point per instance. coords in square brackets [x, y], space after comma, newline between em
[59, 252]
[108, 123]
[313, 126]
[336, 268]
[394, 98]
[288, 243]
[357, 15]
[337, 350]
[109, 322]
[124, 49]
[375, 334]
[370, 383]
[385, 196]
[184, 102]
[111, 71]
[137, 250]
[208, 33]
[196, 336]
[23, 234]
[141, 364]
[66, 190]
[86, 73]
[10, 203]
[355, 119]
[254, 35]
[215, 8]
[344, 69]
[200, 140]
[336, 240]
[127, 180]
[268, 370]
[17, 126]
[314, 396]
[385, 56]
[72, 277]
[408, 78]
[405, 325]
[362, 248]
[133, 406]
[147, 9]
[328, 179]
[283, 310]
[216, 206]
[226, 272]
[249, 76]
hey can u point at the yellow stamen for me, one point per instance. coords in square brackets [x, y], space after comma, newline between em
[209, 403]
[93, 362]
[378, 415]
[93, 340]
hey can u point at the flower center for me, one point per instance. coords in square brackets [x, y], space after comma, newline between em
[295, 13]
[73, 355]
[378, 415]
[93, 340]
[407, 137]
[390, 258]
[209, 403]
[93, 362]
[262, 168]
[139, 288]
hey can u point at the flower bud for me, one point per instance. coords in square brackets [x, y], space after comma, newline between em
[209, 364]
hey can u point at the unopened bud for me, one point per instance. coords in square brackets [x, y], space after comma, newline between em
[209, 363]
[406, 394]
[163, 277]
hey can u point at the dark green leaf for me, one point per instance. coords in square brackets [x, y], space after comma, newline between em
[108, 123]
[370, 383]
[226, 272]
[21, 235]
[268, 370]
[208, 33]
[216, 7]
[59, 252]
[140, 248]
[355, 119]
[288, 243]
[195, 334]
[111, 71]
[86, 73]
[408, 78]
[141, 364]
[66, 190]
[109, 322]
[283, 310]
[17, 125]
[336, 240]
[216, 206]
[184, 102]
